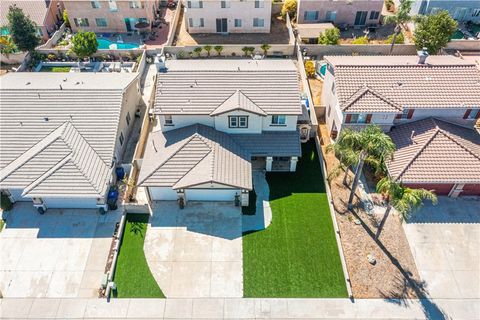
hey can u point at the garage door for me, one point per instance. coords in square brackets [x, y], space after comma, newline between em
[471, 190]
[211, 194]
[17, 195]
[162, 193]
[70, 203]
[439, 189]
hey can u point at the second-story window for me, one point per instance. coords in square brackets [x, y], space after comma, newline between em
[112, 5]
[259, 3]
[310, 15]
[195, 4]
[472, 114]
[279, 120]
[168, 120]
[238, 122]
[258, 22]
[81, 22]
[95, 4]
[238, 23]
[196, 23]
[135, 4]
[101, 22]
[358, 118]
[374, 15]
[224, 4]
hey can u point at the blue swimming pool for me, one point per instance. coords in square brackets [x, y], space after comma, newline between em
[105, 44]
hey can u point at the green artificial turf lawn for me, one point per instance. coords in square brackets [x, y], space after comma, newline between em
[132, 275]
[55, 69]
[297, 255]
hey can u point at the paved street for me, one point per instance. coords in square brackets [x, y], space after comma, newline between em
[196, 252]
[59, 254]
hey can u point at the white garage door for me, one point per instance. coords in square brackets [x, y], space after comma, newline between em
[17, 195]
[211, 194]
[70, 203]
[162, 193]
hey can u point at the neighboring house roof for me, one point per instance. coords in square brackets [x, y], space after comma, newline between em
[313, 30]
[59, 142]
[194, 155]
[201, 86]
[368, 100]
[443, 82]
[36, 10]
[238, 101]
[435, 151]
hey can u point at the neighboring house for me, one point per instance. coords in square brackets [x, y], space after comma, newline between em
[437, 155]
[391, 90]
[229, 16]
[356, 13]
[216, 121]
[110, 15]
[61, 135]
[46, 14]
[460, 10]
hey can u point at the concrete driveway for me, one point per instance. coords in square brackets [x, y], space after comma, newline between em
[445, 242]
[196, 252]
[59, 254]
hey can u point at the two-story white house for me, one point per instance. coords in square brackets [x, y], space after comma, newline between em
[391, 90]
[216, 121]
[228, 16]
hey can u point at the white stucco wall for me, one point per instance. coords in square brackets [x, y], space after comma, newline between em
[458, 9]
[290, 124]
[180, 121]
[254, 122]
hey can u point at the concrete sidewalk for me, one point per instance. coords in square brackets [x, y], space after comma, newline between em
[238, 309]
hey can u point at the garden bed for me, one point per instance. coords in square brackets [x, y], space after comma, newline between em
[133, 277]
[297, 255]
[395, 274]
[55, 69]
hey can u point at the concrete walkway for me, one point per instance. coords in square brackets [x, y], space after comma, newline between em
[263, 215]
[234, 309]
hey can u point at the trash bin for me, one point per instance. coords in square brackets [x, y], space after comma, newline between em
[112, 199]
[120, 172]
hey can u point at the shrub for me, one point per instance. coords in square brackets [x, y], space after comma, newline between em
[360, 40]
[198, 51]
[434, 31]
[85, 44]
[5, 203]
[290, 7]
[65, 18]
[310, 68]
[399, 40]
[330, 36]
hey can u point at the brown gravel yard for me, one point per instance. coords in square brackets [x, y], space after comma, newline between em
[316, 86]
[395, 274]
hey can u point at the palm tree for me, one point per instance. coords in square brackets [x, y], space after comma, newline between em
[208, 48]
[347, 158]
[265, 47]
[198, 51]
[400, 18]
[402, 198]
[372, 145]
[219, 49]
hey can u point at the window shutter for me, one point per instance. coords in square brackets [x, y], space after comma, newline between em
[189, 4]
[348, 118]
[410, 113]
[316, 15]
[75, 21]
[369, 118]
[467, 113]
[398, 116]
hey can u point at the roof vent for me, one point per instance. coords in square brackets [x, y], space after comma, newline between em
[77, 83]
[21, 124]
[61, 88]
[399, 83]
[422, 55]
[412, 135]
[28, 83]
[45, 119]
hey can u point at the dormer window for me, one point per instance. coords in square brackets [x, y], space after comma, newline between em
[238, 122]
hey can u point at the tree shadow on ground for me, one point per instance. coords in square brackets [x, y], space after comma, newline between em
[429, 308]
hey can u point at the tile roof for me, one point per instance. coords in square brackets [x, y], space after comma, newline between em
[443, 82]
[59, 142]
[201, 86]
[194, 155]
[238, 101]
[271, 143]
[438, 152]
[36, 10]
[368, 100]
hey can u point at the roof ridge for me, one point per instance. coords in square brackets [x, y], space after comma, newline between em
[212, 150]
[449, 136]
[363, 91]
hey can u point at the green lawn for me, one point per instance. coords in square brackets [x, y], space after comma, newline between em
[132, 275]
[55, 69]
[296, 256]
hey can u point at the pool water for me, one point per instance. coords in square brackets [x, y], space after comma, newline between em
[457, 35]
[323, 70]
[105, 44]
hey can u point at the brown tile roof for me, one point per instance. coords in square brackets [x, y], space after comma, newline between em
[443, 82]
[435, 151]
[368, 100]
[36, 10]
[238, 101]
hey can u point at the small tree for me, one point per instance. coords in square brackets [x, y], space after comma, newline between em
[400, 39]
[85, 44]
[400, 19]
[248, 50]
[7, 46]
[23, 30]
[434, 31]
[310, 68]
[208, 48]
[290, 7]
[402, 198]
[265, 47]
[65, 18]
[198, 51]
[360, 40]
[218, 49]
[330, 36]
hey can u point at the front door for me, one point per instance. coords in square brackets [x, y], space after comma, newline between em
[361, 18]
[222, 25]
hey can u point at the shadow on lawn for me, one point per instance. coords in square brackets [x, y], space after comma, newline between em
[429, 308]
